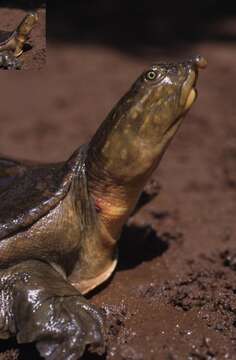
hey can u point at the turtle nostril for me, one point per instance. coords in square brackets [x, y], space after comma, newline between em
[200, 62]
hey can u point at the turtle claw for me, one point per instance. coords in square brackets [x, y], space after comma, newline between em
[74, 325]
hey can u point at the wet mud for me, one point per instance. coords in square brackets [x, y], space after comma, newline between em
[173, 296]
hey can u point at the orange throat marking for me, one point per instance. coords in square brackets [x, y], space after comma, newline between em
[112, 213]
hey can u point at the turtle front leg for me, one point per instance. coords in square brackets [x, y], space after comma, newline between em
[37, 304]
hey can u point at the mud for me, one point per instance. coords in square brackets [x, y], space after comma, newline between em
[34, 56]
[173, 296]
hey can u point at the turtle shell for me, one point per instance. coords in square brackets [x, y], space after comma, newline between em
[28, 190]
[5, 36]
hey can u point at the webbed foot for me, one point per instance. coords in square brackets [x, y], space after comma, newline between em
[9, 62]
[72, 325]
[45, 308]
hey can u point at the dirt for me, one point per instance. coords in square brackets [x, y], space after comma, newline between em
[34, 56]
[173, 296]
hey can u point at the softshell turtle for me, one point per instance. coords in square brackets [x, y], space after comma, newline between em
[60, 223]
[12, 42]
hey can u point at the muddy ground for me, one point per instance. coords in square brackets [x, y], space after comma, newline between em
[173, 296]
[34, 56]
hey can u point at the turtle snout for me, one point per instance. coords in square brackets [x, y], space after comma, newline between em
[189, 92]
[196, 63]
[200, 62]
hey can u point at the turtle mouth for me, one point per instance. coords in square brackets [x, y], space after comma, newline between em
[188, 95]
[189, 92]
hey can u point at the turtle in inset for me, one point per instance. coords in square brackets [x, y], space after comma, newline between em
[60, 223]
[12, 42]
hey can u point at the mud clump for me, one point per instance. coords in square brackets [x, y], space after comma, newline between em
[118, 334]
[115, 316]
[229, 259]
[208, 289]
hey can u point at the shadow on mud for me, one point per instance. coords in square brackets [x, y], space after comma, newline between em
[139, 244]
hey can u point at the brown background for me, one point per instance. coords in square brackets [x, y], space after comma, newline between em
[174, 294]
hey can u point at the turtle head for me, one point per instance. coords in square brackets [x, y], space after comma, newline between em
[133, 138]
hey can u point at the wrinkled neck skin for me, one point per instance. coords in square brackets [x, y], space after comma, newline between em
[109, 182]
[123, 154]
[97, 255]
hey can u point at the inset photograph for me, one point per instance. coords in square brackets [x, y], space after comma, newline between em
[22, 35]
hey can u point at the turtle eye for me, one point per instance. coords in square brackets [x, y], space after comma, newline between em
[151, 75]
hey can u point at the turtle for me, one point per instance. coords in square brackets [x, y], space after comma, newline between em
[12, 42]
[60, 222]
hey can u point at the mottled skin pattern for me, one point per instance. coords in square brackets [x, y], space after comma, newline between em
[64, 241]
[12, 43]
